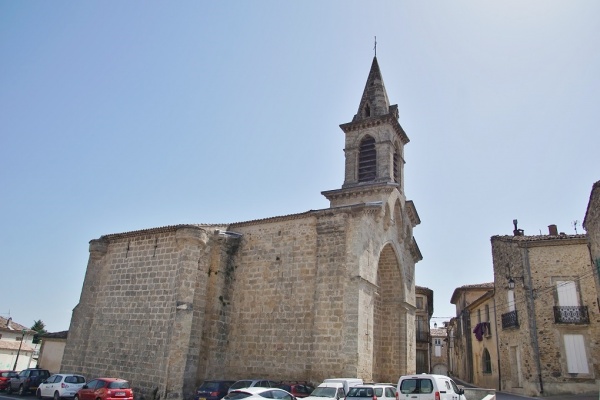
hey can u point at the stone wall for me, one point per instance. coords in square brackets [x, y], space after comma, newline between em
[591, 223]
[302, 297]
[532, 354]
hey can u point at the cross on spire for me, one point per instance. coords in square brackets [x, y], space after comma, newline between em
[375, 48]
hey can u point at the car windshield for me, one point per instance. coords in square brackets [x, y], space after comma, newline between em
[237, 395]
[74, 379]
[209, 386]
[118, 385]
[360, 392]
[324, 392]
[241, 384]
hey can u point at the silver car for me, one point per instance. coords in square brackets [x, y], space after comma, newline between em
[372, 392]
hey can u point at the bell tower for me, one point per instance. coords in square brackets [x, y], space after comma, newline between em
[374, 148]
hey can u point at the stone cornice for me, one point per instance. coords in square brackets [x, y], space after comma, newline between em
[415, 252]
[412, 213]
[376, 121]
[360, 190]
[543, 240]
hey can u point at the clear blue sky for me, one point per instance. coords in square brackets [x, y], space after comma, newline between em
[118, 116]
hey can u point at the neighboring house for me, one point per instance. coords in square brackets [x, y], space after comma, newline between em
[51, 351]
[484, 348]
[439, 351]
[423, 313]
[591, 223]
[546, 299]
[16, 344]
[460, 329]
[307, 296]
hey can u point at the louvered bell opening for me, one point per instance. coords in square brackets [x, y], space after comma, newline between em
[367, 160]
[396, 169]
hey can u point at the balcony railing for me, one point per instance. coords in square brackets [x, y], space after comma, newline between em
[571, 315]
[510, 320]
[422, 336]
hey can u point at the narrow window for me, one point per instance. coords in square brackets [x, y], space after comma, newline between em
[367, 160]
[367, 111]
[396, 171]
[487, 362]
[478, 316]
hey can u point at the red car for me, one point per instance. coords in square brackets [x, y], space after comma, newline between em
[5, 375]
[105, 389]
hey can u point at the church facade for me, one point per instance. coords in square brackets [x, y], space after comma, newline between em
[321, 294]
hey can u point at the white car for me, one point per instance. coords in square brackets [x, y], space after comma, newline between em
[259, 393]
[60, 385]
[369, 392]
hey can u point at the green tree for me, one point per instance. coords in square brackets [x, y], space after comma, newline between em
[38, 327]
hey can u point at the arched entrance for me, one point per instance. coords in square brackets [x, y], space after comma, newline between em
[389, 359]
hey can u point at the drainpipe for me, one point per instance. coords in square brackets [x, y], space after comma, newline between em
[497, 344]
[532, 320]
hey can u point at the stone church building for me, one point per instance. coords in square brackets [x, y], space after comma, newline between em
[320, 294]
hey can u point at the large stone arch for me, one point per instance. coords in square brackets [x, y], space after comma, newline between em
[389, 356]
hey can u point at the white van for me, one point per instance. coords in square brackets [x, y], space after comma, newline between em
[428, 387]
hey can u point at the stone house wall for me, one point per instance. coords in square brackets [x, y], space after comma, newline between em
[591, 223]
[532, 354]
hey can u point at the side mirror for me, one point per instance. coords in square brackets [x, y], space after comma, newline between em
[85, 387]
[461, 390]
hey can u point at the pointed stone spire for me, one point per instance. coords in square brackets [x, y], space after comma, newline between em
[374, 101]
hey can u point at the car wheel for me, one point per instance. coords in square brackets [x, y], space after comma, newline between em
[21, 391]
[38, 394]
[9, 389]
[56, 395]
[76, 397]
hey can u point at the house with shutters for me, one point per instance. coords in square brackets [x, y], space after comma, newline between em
[547, 313]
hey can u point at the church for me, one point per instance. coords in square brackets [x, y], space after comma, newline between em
[321, 294]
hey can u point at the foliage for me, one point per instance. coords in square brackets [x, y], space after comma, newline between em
[39, 328]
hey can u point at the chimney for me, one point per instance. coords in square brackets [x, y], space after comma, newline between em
[552, 230]
[8, 322]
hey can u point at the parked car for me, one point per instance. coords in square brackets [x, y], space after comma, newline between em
[105, 389]
[372, 392]
[60, 385]
[259, 393]
[428, 386]
[5, 375]
[28, 380]
[247, 383]
[297, 389]
[212, 390]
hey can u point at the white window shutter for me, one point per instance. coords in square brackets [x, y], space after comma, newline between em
[567, 293]
[576, 357]
[511, 300]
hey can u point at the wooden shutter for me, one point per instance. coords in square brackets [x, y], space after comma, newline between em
[576, 358]
[567, 293]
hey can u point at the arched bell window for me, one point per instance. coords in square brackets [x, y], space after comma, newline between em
[367, 160]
